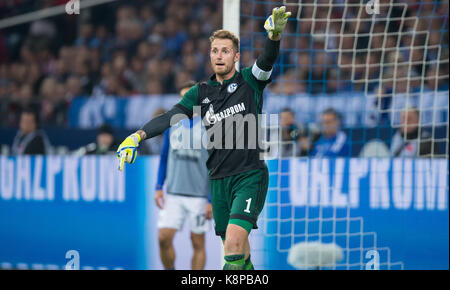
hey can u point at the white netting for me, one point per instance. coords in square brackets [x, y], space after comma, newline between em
[377, 63]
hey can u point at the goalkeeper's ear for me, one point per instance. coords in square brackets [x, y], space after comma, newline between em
[237, 57]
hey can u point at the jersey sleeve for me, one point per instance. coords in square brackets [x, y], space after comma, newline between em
[257, 78]
[190, 99]
[258, 75]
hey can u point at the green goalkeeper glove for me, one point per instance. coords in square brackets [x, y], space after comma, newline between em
[127, 150]
[277, 21]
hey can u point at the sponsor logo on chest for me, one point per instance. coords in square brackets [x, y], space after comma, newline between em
[211, 117]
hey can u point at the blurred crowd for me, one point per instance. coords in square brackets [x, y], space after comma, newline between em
[139, 47]
[147, 48]
[343, 48]
[328, 138]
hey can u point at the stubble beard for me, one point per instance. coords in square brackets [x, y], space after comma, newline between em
[225, 73]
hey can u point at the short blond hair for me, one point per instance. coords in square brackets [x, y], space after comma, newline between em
[225, 34]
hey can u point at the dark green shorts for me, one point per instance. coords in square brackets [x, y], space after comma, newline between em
[239, 199]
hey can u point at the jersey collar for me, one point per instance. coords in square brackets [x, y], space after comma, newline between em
[213, 81]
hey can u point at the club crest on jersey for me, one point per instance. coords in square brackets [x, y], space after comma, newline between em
[232, 87]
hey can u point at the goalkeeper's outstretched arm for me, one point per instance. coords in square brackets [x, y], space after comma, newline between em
[159, 124]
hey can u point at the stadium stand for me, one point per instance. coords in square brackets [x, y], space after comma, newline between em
[133, 49]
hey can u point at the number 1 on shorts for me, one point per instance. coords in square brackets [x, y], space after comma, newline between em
[247, 210]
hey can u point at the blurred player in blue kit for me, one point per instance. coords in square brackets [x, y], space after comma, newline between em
[183, 170]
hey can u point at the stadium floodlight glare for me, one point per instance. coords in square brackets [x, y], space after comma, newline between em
[314, 255]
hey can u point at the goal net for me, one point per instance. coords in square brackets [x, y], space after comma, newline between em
[382, 67]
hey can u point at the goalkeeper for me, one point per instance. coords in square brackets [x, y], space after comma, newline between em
[238, 177]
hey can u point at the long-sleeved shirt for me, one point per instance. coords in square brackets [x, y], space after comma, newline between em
[181, 166]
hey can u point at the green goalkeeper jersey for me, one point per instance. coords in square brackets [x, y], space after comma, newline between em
[230, 114]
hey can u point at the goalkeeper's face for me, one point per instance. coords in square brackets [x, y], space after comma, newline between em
[223, 57]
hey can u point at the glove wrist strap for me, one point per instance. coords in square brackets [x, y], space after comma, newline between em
[274, 34]
[136, 138]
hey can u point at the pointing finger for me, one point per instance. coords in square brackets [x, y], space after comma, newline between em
[122, 161]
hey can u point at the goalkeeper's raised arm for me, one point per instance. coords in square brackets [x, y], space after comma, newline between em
[274, 25]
